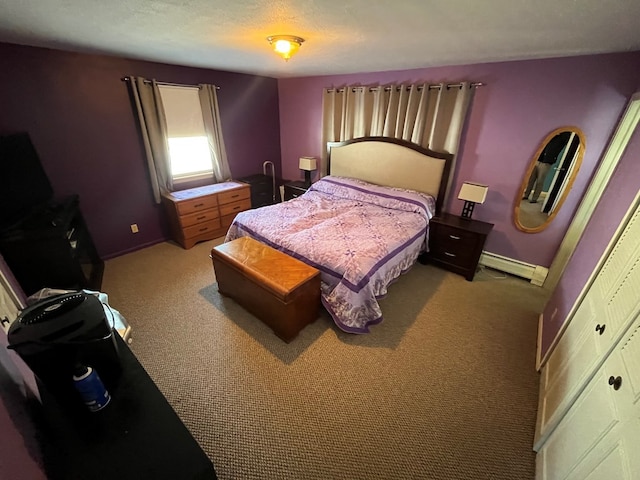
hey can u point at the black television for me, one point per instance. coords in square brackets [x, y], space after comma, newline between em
[24, 185]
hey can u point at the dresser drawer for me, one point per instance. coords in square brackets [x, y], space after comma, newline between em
[199, 217]
[234, 196]
[197, 204]
[201, 228]
[236, 207]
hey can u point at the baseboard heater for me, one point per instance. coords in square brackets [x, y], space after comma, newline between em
[535, 273]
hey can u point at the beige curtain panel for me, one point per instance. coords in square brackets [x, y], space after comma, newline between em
[213, 127]
[430, 117]
[153, 125]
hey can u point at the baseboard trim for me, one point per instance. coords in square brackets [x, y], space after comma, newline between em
[535, 273]
[133, 249]
[539, 342]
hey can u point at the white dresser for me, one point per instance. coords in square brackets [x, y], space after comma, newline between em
[589, 406]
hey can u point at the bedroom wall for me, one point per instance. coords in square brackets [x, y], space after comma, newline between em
[20, 455]
[611, 209]
[521, 103]
[78, 113]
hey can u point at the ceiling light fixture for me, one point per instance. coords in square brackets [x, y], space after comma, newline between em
[285, 45]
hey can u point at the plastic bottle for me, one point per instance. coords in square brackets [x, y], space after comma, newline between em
[87, 382]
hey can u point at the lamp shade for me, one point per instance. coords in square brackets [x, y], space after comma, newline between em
[307, 163]
[473, 192]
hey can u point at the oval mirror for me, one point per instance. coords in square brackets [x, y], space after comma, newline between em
[548, 179]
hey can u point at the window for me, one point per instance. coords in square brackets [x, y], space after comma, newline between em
[188, 143]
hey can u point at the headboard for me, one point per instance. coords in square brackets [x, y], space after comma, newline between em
[391, 162]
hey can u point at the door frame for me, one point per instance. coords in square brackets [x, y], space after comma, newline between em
[626, 126]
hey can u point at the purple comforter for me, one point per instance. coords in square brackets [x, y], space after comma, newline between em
[360, 236]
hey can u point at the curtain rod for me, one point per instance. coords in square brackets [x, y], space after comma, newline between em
[388, 89]
[168, 84]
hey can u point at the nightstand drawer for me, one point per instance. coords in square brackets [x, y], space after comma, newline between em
[453, 236]
[294, 190]
[460, 257]
[199, 217]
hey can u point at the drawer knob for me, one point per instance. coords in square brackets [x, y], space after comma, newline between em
[454, 237]
[236, 207]
[235, 196]
[615, 382]
[201, 217]
[600, 328]
[204, 229]
[450, 254]
[198, 205]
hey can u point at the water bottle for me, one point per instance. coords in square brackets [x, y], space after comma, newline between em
[91, 388]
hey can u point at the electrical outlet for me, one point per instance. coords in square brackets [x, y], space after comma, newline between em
[134, 228]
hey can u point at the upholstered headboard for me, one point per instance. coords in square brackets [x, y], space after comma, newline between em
[391, 162]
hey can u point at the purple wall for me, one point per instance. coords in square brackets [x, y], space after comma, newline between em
[521, 103]
[78, 113]
[610, 211]
[19, 451]
[20, 455]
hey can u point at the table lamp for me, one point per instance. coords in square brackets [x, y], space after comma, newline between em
[308, 164]
[472, 193]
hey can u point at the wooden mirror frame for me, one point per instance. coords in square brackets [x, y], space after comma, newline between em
[532, 163]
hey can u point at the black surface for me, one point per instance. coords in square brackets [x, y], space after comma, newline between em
[471, 225]
[58, 333]
[293, 189]
[262, 192]
[136, 436]
[24, 185]
[53, 248]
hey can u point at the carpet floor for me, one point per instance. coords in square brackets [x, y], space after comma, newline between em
[444, 388]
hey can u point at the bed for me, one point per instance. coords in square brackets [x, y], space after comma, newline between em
[362, 225]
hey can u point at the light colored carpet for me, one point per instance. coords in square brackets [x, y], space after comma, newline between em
[444, 388]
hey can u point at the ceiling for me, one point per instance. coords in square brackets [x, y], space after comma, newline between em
[342, 36]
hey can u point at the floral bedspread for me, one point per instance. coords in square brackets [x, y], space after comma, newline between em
[360, 236]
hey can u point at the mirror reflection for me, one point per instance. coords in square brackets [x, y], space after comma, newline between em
[549, 178]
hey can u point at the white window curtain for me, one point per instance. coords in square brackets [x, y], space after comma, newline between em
[431, 116]
[153, 126]
[213, 127]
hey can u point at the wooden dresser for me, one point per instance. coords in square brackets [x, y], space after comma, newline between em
[205, 213]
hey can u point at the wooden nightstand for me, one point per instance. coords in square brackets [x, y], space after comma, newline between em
[294, 189]
[456, 243]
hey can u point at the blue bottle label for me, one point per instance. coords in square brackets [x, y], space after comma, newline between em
[94, 395]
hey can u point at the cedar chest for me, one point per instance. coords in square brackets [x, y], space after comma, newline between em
[280, 290]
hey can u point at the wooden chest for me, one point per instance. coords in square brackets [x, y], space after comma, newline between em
[205, 213]
[280, 290]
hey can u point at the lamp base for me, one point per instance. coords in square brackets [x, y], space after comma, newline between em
[467, 209]
[307, 178]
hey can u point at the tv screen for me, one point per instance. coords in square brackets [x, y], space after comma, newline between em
[24, 184]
